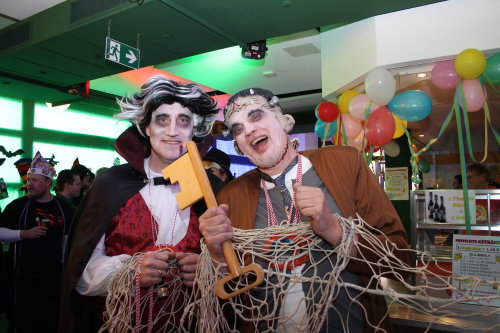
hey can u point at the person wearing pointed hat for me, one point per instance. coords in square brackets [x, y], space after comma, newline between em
[309, 186]
[86, 178]
[218, 162]
[130, 209]
[35, 265]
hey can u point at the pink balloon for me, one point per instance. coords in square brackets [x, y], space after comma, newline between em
[352, 126]
[474, 95]
[380, 126]
[357, 142]
[444, 75]
[357, 106]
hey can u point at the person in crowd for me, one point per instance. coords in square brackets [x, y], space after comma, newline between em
[218, 162]
[494, 171]
[100, 170]
[86, 178]
[333, 180]
[457, 182]
[130, 208]
[34, 263]
[478, 176]
[68, 186]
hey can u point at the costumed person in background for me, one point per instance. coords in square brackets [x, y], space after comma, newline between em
[68, 186]
[86, 178]
[130, 208]
[35, 264]
[309, 186]
[218, 163]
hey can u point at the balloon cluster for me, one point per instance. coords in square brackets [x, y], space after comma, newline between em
[469, 65]
[379, 115]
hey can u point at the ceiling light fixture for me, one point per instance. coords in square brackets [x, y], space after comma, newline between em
[421, 135]
[421, 74]
[57, 107]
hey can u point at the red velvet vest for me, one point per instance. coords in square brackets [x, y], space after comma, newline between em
[130, 232]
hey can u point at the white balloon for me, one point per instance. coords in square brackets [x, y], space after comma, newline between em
[380, 86]
[392, 148]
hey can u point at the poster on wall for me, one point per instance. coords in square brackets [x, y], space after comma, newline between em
[396, 183]
[479, 257]
[447, 206]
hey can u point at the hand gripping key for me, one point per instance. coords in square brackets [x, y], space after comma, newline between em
[184, 171]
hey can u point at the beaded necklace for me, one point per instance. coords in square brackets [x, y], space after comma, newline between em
[154, 223]
[292, 218]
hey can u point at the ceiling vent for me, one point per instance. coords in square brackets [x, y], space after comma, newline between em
[85, 8]
[13, 37]
[301, 50]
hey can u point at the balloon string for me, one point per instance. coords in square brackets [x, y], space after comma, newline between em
[338, 134]
[467, 127]
[465, 189]
[488, 119]
[327, 128]
[344, 137]
[415, 154]
[490, 83]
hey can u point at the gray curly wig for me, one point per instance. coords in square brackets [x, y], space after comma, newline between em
[159, 90]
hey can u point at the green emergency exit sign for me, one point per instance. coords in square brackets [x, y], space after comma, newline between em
[122, 53]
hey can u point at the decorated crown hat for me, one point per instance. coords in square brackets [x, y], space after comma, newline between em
[40, 166]
[23, 166]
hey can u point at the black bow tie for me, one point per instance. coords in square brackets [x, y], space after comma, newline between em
[161, 181]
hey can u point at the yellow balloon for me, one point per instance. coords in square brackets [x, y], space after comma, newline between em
[470, 64]
[400, 126]
[344, 100]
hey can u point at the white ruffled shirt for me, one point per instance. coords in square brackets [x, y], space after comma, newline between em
[172, 222]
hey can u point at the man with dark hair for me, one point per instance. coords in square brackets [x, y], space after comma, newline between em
[312, 185]
[86, 178]
[68, 186]
[457, 182]
[35, 261]
[130, 208]
[478, 176]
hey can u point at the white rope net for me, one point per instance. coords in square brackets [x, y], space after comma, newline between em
[305, 288]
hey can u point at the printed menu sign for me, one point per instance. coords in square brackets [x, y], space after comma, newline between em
[477, 256]
[447, 206]
[396, 183]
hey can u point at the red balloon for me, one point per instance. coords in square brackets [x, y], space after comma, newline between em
[375, 148]
[380, 126]
[328, 112]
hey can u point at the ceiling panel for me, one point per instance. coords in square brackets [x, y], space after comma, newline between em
[67, 41]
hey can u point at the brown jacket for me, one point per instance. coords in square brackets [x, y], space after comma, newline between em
[355, 190]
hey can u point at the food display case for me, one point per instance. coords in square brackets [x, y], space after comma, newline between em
[433, 222]
[436, 215]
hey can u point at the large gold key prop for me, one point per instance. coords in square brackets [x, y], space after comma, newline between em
[188, 171]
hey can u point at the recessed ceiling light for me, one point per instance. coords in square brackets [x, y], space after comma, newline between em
[421, 135]
[58, 107]
[421, 74]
